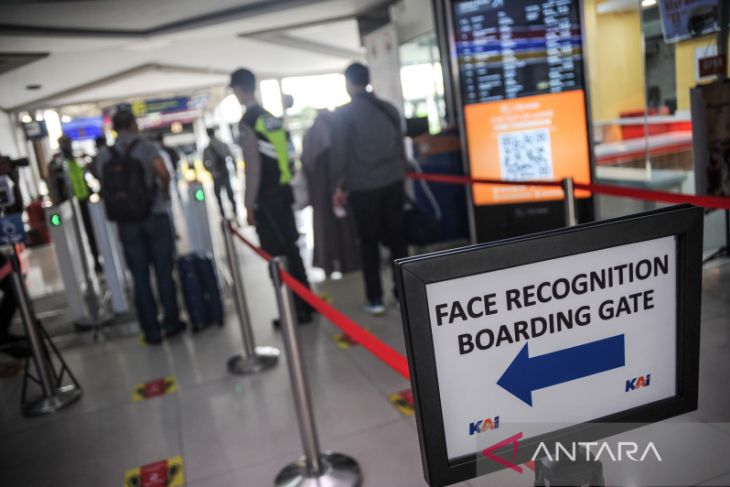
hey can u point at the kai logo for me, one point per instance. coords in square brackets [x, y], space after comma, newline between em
[483, 425]
[638, 382]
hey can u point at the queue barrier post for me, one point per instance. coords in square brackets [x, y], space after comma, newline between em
[54, 395]
[315, 467]
[569, 192]
[254, 359]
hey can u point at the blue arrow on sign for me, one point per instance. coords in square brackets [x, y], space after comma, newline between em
[527, 374]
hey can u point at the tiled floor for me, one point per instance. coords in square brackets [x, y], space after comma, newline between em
[240, 431]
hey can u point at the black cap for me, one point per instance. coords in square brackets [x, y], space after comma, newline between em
[244, 78]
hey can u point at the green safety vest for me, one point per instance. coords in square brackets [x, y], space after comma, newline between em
[271, 130]
[78, 181]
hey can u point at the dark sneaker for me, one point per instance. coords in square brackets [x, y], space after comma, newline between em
[153, 340]
[171, 332]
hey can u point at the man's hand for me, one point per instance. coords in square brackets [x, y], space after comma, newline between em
[339, 198]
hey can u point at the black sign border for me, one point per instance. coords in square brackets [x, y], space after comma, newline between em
[414, 273]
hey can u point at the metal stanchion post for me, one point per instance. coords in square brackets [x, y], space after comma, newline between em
[570, 218]
[314, 468]
[254, 359]
[54, 396]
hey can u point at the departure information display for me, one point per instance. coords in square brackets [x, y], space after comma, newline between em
[522, 87]
[517, 48]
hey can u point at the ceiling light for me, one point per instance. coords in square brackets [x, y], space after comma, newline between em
[648, 3]
[38, 117]
[26, 118]
[65, 119]
[33, 87]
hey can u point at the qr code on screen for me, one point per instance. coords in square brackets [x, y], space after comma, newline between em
[526, 155]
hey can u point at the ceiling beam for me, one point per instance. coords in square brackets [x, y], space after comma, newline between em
[260, 7]
[47, 101]
[293, 42]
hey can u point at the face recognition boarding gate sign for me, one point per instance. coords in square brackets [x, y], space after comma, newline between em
[507, 339]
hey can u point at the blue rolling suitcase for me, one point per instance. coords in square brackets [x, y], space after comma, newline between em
[200, 291]
[211, 293]
[192, 290]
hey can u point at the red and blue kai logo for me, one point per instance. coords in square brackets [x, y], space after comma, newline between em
[638, 382]
[483, 425]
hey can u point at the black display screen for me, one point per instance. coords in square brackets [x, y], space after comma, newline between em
[516, 48]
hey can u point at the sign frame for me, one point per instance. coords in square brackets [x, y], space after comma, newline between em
[413, 274]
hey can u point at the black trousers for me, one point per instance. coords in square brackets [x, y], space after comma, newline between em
[379, 217]
[89, 229]
[220, 183]
[278, 235]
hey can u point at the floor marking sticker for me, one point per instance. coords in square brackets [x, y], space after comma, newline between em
[165, 473]
[343, 341]
[154, 388]
[403, 402]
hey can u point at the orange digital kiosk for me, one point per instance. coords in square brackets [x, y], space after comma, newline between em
[524, 114]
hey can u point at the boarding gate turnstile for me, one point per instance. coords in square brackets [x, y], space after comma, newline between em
[109, 245]
[195, 210]
[87, 307]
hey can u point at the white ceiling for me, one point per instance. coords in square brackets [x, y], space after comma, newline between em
[275, 38]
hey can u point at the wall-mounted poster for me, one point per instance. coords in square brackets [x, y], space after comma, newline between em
[685, 19]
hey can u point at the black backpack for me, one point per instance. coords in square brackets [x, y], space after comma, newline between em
[127, 197]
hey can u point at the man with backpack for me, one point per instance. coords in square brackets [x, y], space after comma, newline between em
[135, 188]
[215, 160]
[269, 171]
[367, 167]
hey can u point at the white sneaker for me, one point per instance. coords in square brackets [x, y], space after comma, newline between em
[375, 307]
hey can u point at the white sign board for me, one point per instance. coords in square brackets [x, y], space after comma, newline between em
[566, 340]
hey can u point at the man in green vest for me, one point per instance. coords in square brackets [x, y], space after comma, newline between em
[267, 155]
[80, 189]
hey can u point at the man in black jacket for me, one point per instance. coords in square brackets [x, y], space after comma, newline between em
[368, 165]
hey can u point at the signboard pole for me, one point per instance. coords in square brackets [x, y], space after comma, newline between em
[315, 467]
[254, 359]
[53, 395]
[570, 218]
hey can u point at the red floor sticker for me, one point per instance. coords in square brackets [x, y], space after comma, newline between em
[154, 388]
[165, 473]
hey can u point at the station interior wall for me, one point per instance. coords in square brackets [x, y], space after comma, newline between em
[615, 62]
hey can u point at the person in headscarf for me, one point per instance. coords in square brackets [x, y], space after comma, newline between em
[335, 237]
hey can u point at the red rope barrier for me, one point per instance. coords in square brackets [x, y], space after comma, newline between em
[454, 179]
[367, 340]
[717, 202]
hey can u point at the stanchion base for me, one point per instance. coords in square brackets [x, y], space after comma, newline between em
[47, 405]
[264, 358]
[338, 470]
